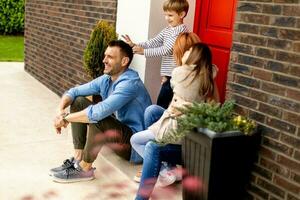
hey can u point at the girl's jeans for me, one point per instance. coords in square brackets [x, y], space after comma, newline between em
[154, 154]
[139, 140]
[152, 114]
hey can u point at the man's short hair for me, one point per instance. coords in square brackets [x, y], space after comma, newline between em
[125, 49]
[176, 5]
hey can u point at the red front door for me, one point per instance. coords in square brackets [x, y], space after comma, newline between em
[214, 21]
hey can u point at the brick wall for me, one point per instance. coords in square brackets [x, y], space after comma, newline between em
[264, 79]
[56, 33]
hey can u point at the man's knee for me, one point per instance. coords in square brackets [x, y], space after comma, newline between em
[78, 104]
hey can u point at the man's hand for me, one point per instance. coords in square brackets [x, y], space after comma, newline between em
[59, 122]
[128, 40]
[138, 50]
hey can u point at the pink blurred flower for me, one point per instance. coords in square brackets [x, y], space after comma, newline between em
[96, 150]
[112, 134]
[50, 194]
[99, 138]
[163, 193]
[118, 146]
[179, 171]
[28, 197]
[114, 195]
[192, 184]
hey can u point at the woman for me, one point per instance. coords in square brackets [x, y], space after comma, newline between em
[196, 74]
[183, 42]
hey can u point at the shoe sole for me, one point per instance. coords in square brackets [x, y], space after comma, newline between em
[58, 180]
[165, 183]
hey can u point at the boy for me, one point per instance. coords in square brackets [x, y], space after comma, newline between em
[162, 45]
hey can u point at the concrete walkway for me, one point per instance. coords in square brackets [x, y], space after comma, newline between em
[29, 146]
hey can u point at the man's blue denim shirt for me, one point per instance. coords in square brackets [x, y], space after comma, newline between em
[128, 99]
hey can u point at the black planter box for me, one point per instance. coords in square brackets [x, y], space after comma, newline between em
[222, 162]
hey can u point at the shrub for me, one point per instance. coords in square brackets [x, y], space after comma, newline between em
[11, 16]
[214, 116]
[102, 34]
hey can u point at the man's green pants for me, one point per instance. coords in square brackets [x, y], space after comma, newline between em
[92, 136]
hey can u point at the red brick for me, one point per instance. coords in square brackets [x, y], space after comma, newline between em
[291, 140]
[272, 88]
[275, 168]
[278, 146]
[295, 177]
[257, 191]
[269, 132]
[292, 118]
[255, 18]
[267, 153]
[259, 95]
[58, 35]
[289, 186]
[267, 174]
[262, 74]
[281, 125]
[247, 81]
[297, 155]
[270, 110]
[295, 69]
[272, 188]
[293, 94]
[292, 197]
[294, 165]
[267, 63]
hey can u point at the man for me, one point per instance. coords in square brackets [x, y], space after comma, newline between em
[123, 95]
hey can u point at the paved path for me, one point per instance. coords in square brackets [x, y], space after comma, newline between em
[29, 146]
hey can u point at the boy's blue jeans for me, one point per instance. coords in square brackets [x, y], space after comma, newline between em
[165, 94]
[154, 154]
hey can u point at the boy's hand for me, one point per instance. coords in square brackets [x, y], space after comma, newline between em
[138, 50]
[128, 40]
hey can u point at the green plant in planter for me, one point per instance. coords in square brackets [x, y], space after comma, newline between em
[213, 116]
[101, 35]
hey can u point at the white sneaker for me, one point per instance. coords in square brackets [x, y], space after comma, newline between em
[166, 178]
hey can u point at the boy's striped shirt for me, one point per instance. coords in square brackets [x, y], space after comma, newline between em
[162, 45]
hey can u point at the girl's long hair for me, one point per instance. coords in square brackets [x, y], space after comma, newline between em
[201, 56]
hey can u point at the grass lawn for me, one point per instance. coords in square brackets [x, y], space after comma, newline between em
[11, 48]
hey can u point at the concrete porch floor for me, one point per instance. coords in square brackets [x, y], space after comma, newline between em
[29, 147]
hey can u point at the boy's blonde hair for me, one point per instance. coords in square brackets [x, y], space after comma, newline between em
[176, 5]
